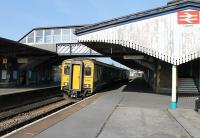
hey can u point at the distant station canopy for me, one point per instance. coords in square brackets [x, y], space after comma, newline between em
[177, 2]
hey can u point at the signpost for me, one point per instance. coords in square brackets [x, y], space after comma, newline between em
[5, 60]
[22, 60]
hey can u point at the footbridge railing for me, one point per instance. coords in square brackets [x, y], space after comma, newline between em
[65, 49]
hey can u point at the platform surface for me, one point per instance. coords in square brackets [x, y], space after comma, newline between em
[7, 91]
[123, 112]
[189, 119]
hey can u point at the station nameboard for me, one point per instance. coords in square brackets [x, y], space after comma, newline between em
[22, 60]
[5, 60]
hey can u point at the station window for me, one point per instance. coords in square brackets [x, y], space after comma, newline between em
[4, 74]
[23, 40]
[57, 36]
[47, 37]
[29, 74]
[14, 74]
[65, 35]
[39, 36]
[31, 37]
[87, 71]
[67, 70]
[73, 36]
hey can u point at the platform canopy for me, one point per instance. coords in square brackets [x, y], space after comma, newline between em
[16, 49]
[170, 33]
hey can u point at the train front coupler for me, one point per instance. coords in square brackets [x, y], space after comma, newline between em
[74, 94]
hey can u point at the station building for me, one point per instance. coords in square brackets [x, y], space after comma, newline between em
[23, 65]
[163, 42]
[41, 52]
[37, 56]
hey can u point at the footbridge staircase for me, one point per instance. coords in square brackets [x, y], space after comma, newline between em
[186, 85]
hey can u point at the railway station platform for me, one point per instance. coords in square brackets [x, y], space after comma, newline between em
[125, 111]
[11, 98]
[15, 90]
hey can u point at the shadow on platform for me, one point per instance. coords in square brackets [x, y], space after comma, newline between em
[113, 86]
[138, 85]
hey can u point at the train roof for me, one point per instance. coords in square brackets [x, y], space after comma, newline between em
[105, 64]
[97, 62]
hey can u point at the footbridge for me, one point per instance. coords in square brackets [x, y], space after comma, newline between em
[164, 42]
[61, 40]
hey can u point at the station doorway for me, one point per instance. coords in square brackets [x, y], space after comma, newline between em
[23, 78]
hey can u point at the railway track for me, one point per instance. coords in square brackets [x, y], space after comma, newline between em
[18, 117]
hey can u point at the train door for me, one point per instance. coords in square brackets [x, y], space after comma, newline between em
[65, 75]
[76, 76]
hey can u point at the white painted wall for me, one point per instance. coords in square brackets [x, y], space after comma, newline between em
[161, 37]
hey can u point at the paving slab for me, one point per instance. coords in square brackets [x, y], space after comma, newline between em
[187, 102]
[145, 100]
[189, 119]
[133, 122]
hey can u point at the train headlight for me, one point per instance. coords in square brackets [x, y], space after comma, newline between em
[65, 83]
[86, 86]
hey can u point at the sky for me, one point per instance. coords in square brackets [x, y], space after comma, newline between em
[18, 17]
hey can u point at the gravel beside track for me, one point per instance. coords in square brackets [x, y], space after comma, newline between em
[10, 124]
[12, 112]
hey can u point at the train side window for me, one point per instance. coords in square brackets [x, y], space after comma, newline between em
[67, 70]
[87, 71]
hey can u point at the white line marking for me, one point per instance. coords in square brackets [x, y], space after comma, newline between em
[131, 80]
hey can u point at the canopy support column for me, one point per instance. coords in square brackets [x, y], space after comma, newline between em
[173, 104]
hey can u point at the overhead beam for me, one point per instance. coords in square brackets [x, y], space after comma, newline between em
[146, 64]
[133, 57]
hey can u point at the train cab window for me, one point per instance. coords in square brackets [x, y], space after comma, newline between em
[67, 70]
[87, 71]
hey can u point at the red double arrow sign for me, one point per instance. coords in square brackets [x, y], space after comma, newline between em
[188, 17]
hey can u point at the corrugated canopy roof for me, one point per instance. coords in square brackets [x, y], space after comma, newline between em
[16, 49]
[172, 5]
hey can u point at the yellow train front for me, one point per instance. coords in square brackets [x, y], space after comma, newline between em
[83, 77]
